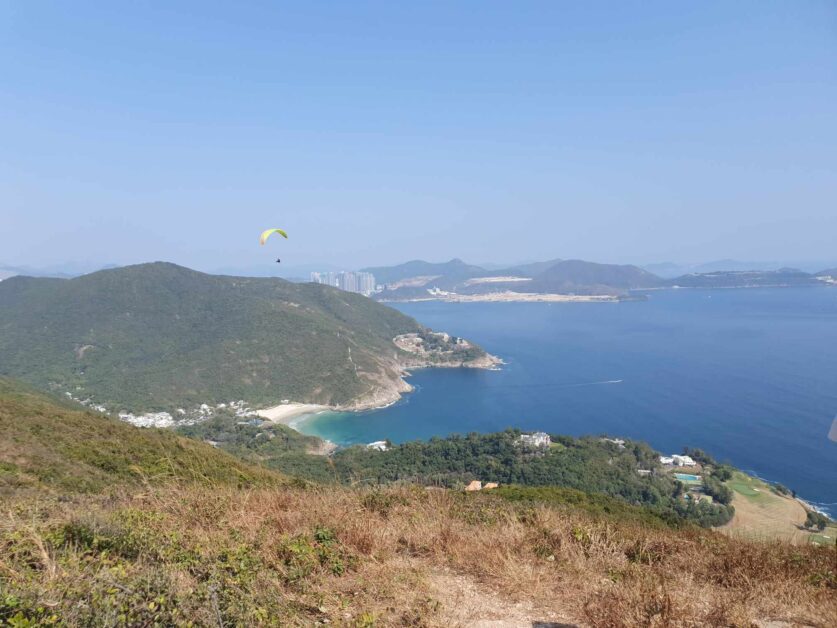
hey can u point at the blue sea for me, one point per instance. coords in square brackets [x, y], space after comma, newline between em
[748, 375]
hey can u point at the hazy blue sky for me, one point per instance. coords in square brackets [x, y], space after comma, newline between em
[378, 132]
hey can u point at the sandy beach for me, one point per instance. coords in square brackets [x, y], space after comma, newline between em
[287, 412]
[511, 297]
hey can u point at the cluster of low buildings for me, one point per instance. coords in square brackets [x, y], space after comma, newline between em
[203, 412]
[149, 419]
[676, 460]
[88, 403]
[538, 440]
[477, 485]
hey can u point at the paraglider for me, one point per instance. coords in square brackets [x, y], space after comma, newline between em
[269, 232]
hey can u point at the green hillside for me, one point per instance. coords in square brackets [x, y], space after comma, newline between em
[50, 445]
[159, 336]
[587, 277]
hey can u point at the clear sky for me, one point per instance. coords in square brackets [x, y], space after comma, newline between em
[377, 132]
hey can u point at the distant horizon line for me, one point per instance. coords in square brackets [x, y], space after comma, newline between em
[77, 268]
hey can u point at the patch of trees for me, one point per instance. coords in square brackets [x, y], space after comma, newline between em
[715, 489]
[783, 490]
[816, 520]
[698, 455]
[584, 464]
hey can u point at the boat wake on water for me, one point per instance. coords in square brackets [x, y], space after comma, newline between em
[559, 385]
[607, 381]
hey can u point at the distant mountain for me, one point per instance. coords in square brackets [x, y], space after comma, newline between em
[454, 269]
[66, 271]
[413, 279]
[587, 277]
[533, 269]
[670, 270]
[159, 336]
[745, 279]
[667, 270]
[455, 279]
[828, 272]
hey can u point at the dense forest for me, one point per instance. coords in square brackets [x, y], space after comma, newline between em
[589, 464]
[158, 336]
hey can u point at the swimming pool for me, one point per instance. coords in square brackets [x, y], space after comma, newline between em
[687, 477]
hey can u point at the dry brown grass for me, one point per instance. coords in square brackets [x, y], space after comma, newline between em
[225, 556]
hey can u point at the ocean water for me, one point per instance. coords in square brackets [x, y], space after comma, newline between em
[748, 375]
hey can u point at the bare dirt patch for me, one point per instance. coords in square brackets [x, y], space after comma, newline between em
[467, 603]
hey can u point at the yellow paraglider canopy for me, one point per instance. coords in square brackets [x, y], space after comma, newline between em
[268, 232]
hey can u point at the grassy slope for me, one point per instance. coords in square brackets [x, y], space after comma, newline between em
[158, 336]
[54, 447]
[762, 513]
[205, 552]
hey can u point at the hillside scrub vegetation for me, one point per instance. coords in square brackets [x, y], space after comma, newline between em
[52, 446]
[156, 337]
[197, 555]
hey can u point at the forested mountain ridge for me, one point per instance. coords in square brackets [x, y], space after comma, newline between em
[159, 336]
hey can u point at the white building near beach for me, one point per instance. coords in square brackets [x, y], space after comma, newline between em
[537, 440]
[676, 460]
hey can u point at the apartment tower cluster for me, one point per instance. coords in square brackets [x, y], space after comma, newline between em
[363, 283]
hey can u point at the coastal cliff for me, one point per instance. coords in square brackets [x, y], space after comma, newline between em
[417, 350]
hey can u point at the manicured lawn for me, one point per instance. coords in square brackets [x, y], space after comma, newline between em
[744, 489]
[750, 487]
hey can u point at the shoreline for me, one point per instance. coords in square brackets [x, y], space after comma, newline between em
[512, 297]
[294, 414]
[288, 413]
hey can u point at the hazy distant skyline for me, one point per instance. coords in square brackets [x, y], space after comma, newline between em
[377, 133]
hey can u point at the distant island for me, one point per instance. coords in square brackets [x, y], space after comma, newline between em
[562, 281]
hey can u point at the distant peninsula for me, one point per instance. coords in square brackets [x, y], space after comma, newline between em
[563, 281]
[162, 344]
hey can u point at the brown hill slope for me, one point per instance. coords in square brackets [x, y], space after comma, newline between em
[188, 536]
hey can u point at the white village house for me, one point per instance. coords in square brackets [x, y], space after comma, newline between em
[535, 441]
[676, 460]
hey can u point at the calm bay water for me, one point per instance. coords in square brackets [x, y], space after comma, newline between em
[748, 375]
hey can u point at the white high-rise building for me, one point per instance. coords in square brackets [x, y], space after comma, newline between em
[363, 283]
